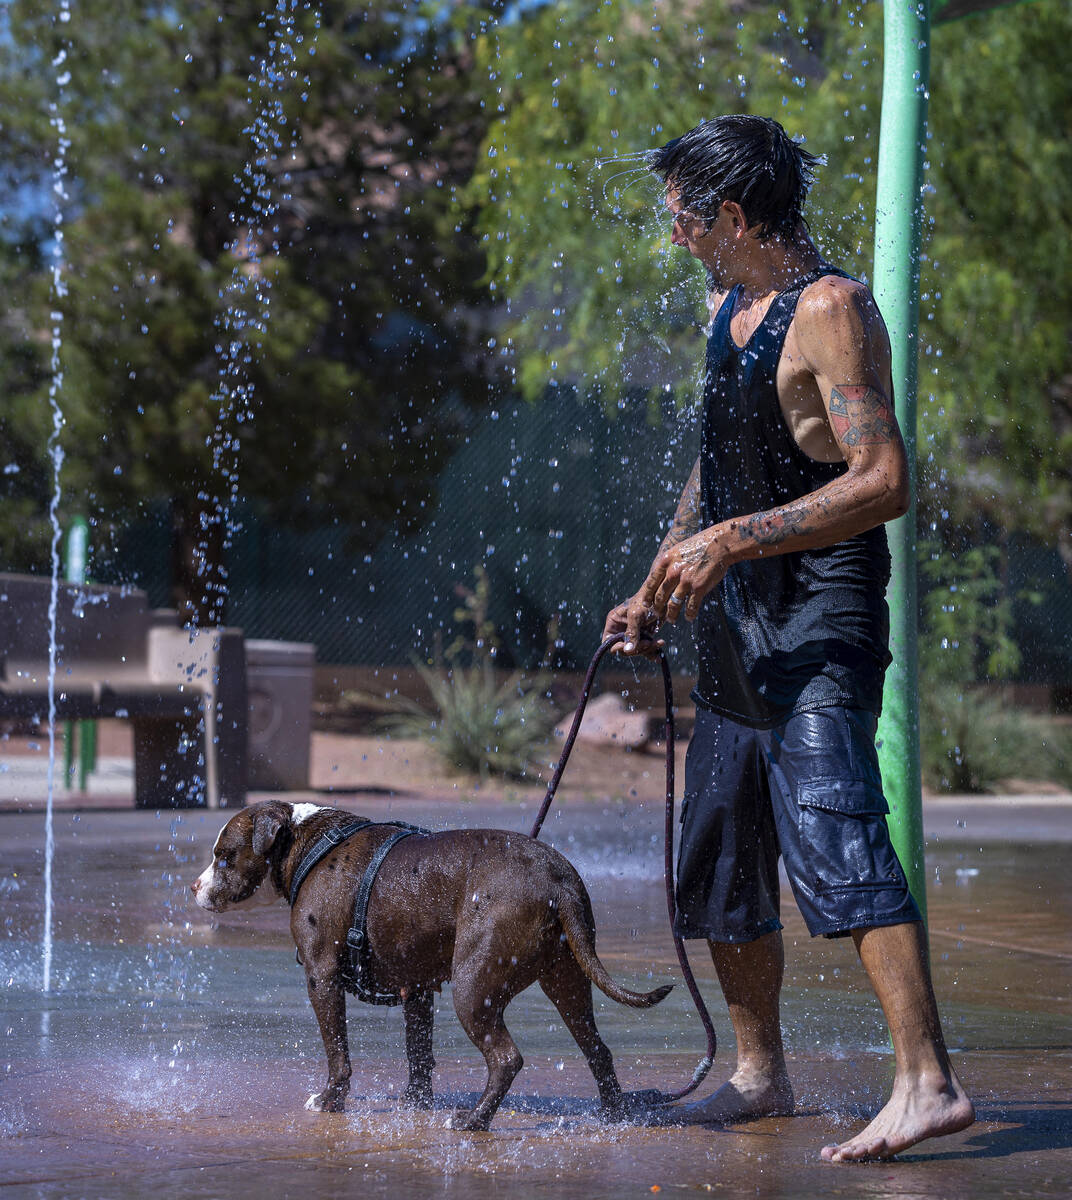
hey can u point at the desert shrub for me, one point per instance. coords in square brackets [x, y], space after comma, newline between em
[970, 741]
[477, 720]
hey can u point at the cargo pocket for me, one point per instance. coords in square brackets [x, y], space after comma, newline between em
[844, 842]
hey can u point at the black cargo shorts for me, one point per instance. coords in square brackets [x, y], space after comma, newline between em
[808, 790]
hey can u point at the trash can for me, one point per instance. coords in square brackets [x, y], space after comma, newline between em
[279, 676]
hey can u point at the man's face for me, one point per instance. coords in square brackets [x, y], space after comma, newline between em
[706, 239]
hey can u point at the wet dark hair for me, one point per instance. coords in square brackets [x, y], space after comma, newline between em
[750, 160]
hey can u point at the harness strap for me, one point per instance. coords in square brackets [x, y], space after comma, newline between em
[321, 847]
[359, 977]
[357, 937]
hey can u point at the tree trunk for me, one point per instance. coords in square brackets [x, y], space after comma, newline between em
[198, 570]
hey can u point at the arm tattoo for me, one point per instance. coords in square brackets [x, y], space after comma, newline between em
[861, 416]
[779, 524]
[770, 528]
[687, 518]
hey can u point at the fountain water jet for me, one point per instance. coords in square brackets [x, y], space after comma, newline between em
[55, 450]
[248, 292]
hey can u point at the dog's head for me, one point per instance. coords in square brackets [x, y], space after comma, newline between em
[240, 871]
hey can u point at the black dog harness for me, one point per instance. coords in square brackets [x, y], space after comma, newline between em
[358, 978]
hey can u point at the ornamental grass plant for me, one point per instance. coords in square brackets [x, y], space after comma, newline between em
[478, 719]
[478, 722]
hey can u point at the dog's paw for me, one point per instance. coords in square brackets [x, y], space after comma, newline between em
[417, 1096]
[465, 1120]
[328, 1100]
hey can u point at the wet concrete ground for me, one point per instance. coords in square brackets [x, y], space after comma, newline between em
[175, 1051]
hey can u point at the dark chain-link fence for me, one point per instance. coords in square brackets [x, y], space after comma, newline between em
[563, 505]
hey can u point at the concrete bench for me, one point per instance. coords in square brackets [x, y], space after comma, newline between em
[184, 692]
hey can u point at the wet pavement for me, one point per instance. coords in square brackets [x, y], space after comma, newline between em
[175, 1051]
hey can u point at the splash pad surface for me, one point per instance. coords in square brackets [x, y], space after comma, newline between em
[175, 1051]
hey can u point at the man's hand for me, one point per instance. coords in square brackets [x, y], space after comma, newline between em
[682, 576]
[639, 623]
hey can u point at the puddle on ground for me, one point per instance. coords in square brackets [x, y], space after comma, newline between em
[176, 1050]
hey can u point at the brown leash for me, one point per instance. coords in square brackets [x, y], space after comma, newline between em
[704, 1064]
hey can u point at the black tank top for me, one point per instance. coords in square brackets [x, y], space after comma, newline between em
[787, 632]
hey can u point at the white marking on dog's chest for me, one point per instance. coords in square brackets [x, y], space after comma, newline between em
[302, 812]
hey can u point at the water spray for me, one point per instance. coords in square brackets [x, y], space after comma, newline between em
[55, 452]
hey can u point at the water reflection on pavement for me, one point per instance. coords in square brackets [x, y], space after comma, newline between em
[175, 1051]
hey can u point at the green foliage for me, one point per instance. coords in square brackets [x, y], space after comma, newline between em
[967, 618]
[482, 642]
[997, 281]
[576, 243]
[971, 741]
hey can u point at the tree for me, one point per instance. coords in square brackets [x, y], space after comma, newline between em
[998, 280]
[571, 228]
[271, 289]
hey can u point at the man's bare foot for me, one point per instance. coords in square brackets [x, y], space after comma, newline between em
[746, 1096]
[930, 1108]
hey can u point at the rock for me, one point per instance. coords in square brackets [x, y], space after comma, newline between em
[607, 721]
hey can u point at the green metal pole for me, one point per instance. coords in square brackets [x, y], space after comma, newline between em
[87, 752]
[898, 213]
[68, 751]
[76, 556]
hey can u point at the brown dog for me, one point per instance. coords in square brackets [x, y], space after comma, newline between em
[489, 910]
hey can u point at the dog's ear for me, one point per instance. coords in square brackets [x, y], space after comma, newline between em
[266, 827]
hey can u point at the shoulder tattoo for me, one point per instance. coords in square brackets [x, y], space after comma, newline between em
[861, 416]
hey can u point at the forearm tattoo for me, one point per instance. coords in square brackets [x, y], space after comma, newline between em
[861, 416]
[686, 522]
[770, 528]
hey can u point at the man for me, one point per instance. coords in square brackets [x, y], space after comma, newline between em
[780, 530]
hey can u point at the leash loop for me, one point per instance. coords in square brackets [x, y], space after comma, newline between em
[705, 1063]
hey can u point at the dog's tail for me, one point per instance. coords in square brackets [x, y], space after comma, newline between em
[581, 939]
